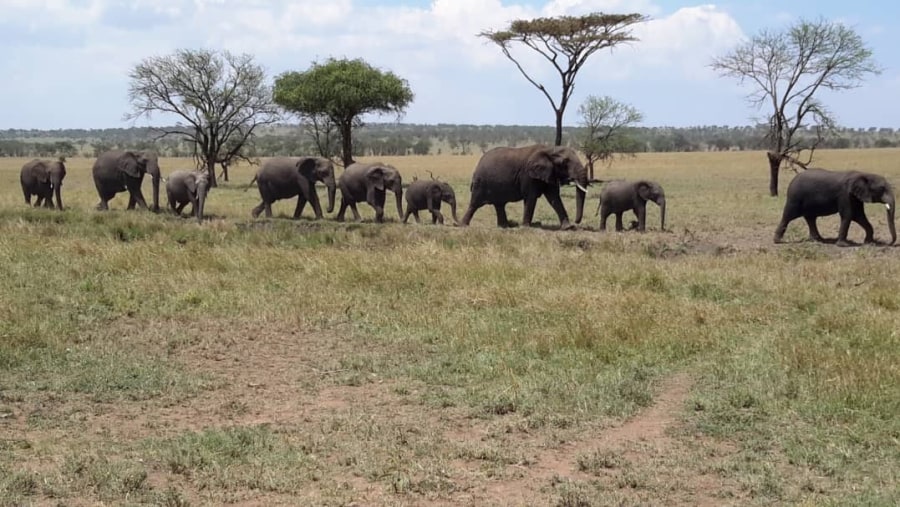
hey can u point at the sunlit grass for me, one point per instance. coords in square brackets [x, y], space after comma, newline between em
[793, 347]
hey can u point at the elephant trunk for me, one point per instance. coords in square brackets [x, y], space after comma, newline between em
[453, 211]
[155, 181]
[398, 193]
[662, 213]
[57, 189]
[580, 195]
[202, 189]
[332, 187]
[889, 203]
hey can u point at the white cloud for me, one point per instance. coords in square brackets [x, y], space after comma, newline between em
[454, 73]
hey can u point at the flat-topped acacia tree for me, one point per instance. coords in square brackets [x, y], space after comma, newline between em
[566, 42]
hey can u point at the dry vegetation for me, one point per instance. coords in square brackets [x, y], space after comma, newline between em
[146, 359]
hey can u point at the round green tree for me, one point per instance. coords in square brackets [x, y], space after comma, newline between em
[338, 93]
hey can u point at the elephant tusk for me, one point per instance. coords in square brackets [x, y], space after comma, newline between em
[580, 187]
[888, 206]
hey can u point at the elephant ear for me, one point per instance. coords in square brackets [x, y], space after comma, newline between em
[540, 166]
[191, 183]
[129, 165]
[644, 190]
[375, 176]
[860, 187]
[436, 192]
[306, 165]
[42, 173]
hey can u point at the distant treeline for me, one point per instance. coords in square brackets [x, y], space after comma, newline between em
[390, 139]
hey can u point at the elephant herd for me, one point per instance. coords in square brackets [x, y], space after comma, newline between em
[503, 175]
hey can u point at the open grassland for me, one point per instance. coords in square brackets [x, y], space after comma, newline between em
[146, 359]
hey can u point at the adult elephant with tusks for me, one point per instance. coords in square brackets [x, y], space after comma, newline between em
[362, 182]
[286, 177]
[619, 196]
[816, 193]
[505, 175]
[118, 171]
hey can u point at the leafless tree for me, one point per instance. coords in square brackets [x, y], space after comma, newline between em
[786, 69]
[222, 97]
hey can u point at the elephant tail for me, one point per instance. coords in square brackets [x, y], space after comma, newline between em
[250, 184]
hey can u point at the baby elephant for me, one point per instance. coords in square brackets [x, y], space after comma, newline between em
[620, 196]
[185, 187]
[43, 178]
[428, 194]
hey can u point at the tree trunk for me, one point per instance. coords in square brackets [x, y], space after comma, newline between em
[225, 171]
[774, 166]
[346, 142]
[211, 171]
[559, 125]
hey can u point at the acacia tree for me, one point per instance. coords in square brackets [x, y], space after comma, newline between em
[605, 121]
[566, 42]
[339, 93]
[222, 97]
[786, 69]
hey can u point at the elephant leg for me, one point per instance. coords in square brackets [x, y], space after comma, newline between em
[502, 220]
[846, 216]
[258, 209]
[179, 208]
[437, 218]
[813, 229]
[470, 212]
[604, 215]
[342, 210]
[552, 195]
[379, 207]
[314, 202]
[301, 203]
[641, 213]
[619, 226]
[355, 211]
[859, 216]
[38, 201]
[528, 214]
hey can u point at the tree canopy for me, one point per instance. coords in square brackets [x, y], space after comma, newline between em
[786, 69]
[222, 97]
[566, 42]
[337, 94]
[605, 122]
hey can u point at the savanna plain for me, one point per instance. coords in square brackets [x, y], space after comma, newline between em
[148, 359]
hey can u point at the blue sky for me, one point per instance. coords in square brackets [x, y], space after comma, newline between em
[65, 62]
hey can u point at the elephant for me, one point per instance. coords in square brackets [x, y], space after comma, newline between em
[619, 196]
[368, 182]
[506, 175]
[118, 171]
[43, 178]
[284, 177]
[428, 194]
[185, 187]
[818, 192]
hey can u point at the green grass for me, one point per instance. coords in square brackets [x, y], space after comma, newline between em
[526, 335]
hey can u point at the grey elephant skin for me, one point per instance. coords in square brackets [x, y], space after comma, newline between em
[505, 175]
[188, 187]
[43, 179]
[120, 171]
[285, 177]
[620, 196]
[368, 183]
[817, 193]
[428, 195]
